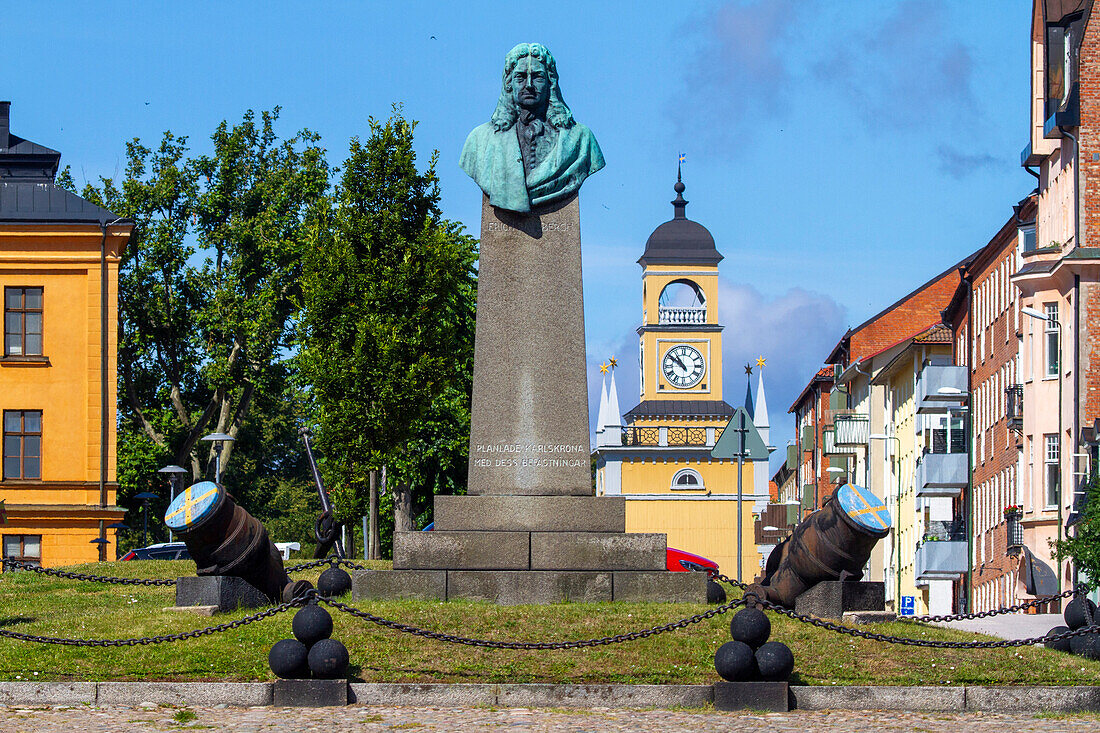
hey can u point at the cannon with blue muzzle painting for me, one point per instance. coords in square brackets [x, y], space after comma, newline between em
[224, 539]
[832, 544]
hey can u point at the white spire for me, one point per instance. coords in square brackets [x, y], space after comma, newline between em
[608, 431]
[601, 416]
[760, 415]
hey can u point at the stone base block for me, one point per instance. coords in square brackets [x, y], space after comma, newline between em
[831, 599]
[310, 693]
[858, 618]
[531, 513]
[597, 551]
[659, 586]
[461, 550]
[386, 585]
[224, 591]
[772, 697]
[517, 587]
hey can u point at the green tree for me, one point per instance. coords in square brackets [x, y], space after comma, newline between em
[1084, 546]
[387, 328]
[208, 285]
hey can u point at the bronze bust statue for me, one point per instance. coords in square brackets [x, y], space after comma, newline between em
[531, 152]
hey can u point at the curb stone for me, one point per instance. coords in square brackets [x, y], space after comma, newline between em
[259, 694]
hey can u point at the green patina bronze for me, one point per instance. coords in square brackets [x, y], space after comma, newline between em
[531, 152]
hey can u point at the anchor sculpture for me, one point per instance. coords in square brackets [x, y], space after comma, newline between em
[833, 543]
[224, 539]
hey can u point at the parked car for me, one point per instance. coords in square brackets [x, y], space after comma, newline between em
[159, 551]
[682, 561]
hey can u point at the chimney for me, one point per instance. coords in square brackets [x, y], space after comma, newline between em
[5, 119]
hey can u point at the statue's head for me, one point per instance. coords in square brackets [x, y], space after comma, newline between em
[530, 80]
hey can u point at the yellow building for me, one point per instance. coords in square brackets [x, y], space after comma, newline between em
[925, 552]
[59, 259]
[660, 460]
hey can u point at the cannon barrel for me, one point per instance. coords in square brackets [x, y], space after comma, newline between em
[833, 543]
[224, 539]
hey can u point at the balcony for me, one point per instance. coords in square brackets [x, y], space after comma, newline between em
[851, 430]
[677, 316]
[942, 474]
[670, 436]
[940, 560]
[940, 388]
[1014, 406]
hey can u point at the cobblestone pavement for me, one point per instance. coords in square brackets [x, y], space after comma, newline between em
[364, 718]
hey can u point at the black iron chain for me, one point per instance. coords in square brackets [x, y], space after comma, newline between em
[731, 581]
[491, 644]
[334, 562]
[994, 612]
[229, 625]
[85, 576]
[931, 643]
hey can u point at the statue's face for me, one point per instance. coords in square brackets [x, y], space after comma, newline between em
[530, 83]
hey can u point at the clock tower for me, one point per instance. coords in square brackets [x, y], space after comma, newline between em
[658, 455]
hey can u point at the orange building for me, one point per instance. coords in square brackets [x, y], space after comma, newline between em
[59, 257]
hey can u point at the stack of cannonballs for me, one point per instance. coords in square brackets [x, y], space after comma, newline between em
[1079, 613]
[311, 653]
[750, 657]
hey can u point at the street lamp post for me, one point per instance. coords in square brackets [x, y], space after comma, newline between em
[145, 496]
[1039, 315]
[218, 439]
[897, 520]
[175, 475]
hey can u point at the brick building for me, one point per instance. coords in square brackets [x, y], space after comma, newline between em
[984, 315]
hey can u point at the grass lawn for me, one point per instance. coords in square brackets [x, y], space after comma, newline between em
[37, 604]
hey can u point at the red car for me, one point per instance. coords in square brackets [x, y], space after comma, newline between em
[682, 561]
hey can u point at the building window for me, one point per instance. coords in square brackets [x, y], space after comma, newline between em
[22, 444]
[949, 434]
[24, 548]
[22, 321]
[1052, 457]
[1050, 329]
[687, 480]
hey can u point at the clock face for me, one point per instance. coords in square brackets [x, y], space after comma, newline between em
[683, 366]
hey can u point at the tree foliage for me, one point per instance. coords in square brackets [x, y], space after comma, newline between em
[1084, 545]
[208, 282]
[387, 328]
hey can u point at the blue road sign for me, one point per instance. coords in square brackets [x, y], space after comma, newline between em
[908, 605]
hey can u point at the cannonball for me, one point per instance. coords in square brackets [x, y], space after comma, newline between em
[734, 661]
[1061, 645]
[328, 660]
[1086, 645]
[1079, 612]
[751, 626]
[311, 624]
[334, 582]
[715, 592]
[289, 659]
[775, 661]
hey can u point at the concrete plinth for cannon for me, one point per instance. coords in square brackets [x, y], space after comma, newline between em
[832, 599]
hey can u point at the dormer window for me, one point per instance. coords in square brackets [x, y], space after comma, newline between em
[687, 480]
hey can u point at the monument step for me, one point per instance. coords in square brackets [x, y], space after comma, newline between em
[662, 585]
[500, 513]
[467, 550]
[489, 550]
[597, 551]
[513, 587]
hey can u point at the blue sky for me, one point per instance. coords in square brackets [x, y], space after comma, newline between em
[841, 153]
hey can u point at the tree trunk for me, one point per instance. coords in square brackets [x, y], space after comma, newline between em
[402, 508]
[373, 541]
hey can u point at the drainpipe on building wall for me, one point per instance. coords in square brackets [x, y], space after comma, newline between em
[104, 362]
[1077, 204]
[968, 503]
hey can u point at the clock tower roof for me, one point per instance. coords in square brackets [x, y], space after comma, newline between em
[680, 241]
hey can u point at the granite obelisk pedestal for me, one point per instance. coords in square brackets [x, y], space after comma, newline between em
[530, 529]
[529, 417]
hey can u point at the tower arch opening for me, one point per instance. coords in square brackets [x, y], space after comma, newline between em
[682, 301]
